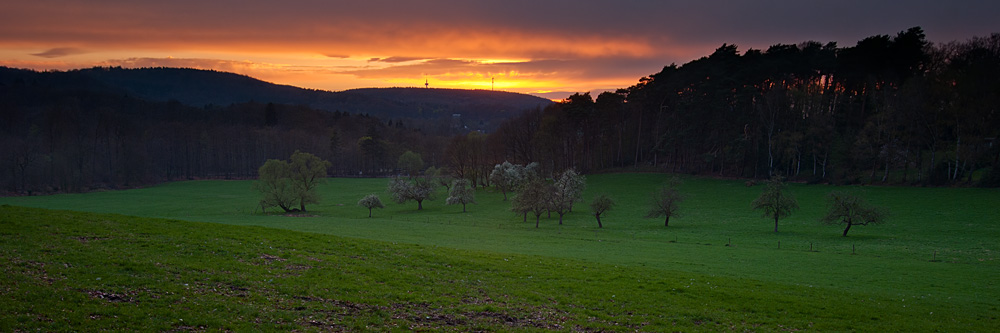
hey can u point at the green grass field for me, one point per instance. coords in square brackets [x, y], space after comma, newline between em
[931, 267]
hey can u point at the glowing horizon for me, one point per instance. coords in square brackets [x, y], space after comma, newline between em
[533, 47]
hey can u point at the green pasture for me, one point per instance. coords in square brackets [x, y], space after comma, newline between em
[934, 261]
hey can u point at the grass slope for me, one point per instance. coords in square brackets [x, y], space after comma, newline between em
[86, 271]
[938, 249]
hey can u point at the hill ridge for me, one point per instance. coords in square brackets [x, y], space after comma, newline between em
[197, 87]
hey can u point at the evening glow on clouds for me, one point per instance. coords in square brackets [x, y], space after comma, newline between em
[547, 48]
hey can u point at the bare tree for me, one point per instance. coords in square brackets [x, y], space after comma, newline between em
[601, 204]
[665, 202]
[775, 201]
[371, 201]
[533, 198]
[851, 210]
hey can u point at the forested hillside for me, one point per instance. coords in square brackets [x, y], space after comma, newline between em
[66, 139]
[200, 88]
[888, 110]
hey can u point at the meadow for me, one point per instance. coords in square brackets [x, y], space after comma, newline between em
[932, 266]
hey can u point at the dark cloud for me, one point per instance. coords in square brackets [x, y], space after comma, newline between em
[59, 52]
[573, 69]
[662, 25]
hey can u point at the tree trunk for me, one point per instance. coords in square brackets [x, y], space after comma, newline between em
[770, 154]
[369, 212]
[885, 173]
[814, 164]
[537, 217]
[958, 147]
[930, 167]
[560, 218]
[848, 228]
[775, 222]
[638, 139]
[871, 177]
[666, 222]
[420, 204]
[825, 155]
[798, 162]
[463, 208]
[598, 216]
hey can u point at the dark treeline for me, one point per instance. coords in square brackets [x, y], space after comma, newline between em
[60, 138]
[891, 109]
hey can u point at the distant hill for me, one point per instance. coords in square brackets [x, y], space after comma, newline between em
[202, 87]
[432, 102]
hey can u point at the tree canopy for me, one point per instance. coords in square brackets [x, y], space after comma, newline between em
[775, 201]
[275, 186]
[418, 189]
[566, 190]
[461, 194]
[371, 201]
[533, 197]
[506, 177]
[410, 163]
[282, 183]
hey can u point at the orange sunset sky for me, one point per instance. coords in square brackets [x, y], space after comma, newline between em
[546, 48]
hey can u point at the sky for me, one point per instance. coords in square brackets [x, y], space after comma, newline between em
[546, 48]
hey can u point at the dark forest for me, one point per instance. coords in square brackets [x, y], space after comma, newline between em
[889, 110]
